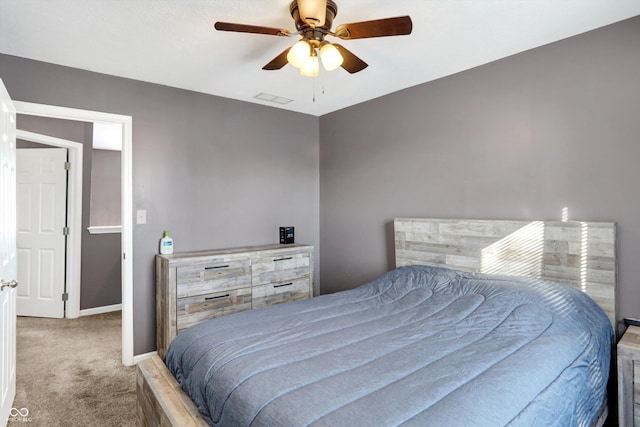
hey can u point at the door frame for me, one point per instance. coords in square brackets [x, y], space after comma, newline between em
[65, 113]
[73, 214]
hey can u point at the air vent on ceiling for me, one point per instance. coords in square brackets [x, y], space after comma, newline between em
[272, 98]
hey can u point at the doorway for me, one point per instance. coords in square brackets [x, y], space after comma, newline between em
[126, 122]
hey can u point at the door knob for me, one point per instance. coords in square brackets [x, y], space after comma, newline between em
[9, 284]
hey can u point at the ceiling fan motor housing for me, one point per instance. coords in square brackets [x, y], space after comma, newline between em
[307, 30]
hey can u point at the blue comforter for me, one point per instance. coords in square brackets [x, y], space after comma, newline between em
[418, 346]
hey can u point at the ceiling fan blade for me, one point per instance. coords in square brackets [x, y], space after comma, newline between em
[253, 29]
[278, 62]
[351, 63]
[399, 26]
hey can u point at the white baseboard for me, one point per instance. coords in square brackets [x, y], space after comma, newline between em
[101, 310]
[141, 357]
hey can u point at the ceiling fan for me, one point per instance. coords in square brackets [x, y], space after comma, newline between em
[313, 20]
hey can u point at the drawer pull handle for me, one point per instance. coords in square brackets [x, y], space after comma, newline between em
[217, 297]
[282, 259]
[216, 267]
[283, 285]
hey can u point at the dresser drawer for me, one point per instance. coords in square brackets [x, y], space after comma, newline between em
[193, 310]
[279, 269]
[208, 277]
[276, 293]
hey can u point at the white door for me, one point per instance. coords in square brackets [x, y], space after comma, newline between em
[42, 211]
[8, 257]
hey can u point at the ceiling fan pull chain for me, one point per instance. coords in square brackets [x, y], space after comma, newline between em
[313, 89]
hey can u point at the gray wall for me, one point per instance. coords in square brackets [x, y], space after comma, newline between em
[28, 144]
[101, 265]
[520, 138]
[106, 188]
[213, 171]
[100, 282]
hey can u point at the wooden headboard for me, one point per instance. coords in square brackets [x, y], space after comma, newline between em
[581, 254]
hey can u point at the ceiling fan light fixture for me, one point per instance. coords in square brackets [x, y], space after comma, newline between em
[313, 20]
[299, 54]
[330, 56]
[311, 67]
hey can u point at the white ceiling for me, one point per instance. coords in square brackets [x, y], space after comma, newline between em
[173, 42]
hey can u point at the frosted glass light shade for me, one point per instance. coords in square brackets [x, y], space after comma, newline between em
[299, 53]
[311, 67]
[330, 57]
[313, 12]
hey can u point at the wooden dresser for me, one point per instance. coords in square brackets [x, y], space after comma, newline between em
[629, 378]
[192, 287]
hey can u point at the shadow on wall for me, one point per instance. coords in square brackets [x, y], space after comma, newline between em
[391, 248]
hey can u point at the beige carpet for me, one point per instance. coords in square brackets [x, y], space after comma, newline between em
[70, 373]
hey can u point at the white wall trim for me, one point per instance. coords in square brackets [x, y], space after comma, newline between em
[104, 229]
[74, 213]
[139, 358]
[65, 113]
[100, 310]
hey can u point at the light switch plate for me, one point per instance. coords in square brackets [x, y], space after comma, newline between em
[141, 216]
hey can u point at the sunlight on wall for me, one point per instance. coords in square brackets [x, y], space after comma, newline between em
[584, 245]
[518, 254]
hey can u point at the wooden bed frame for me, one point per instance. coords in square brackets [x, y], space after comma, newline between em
[581, 254]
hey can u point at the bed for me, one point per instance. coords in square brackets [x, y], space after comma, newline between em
[467, 330]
